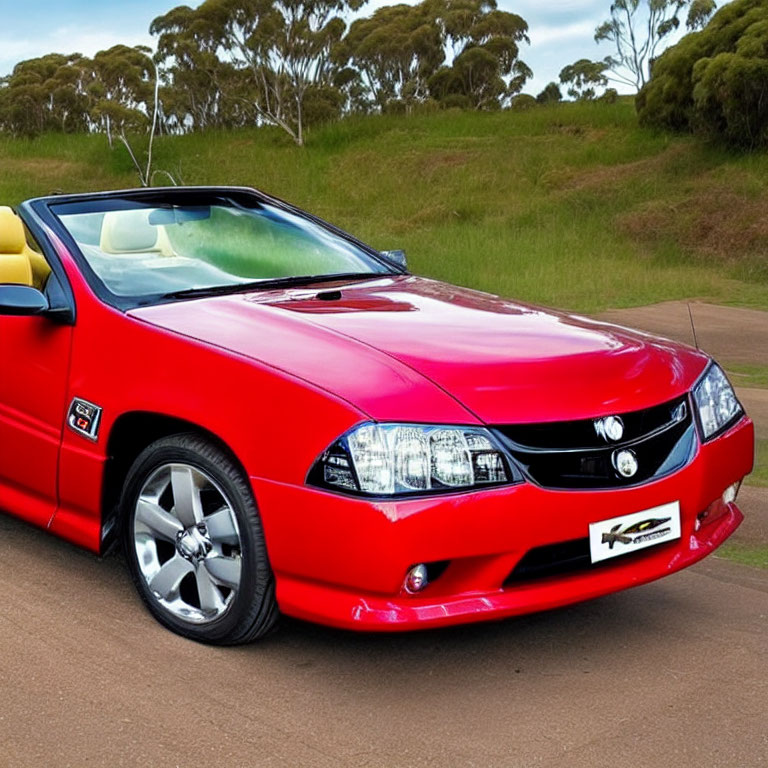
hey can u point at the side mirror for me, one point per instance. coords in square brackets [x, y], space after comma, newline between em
[21, 300]
[396, 257]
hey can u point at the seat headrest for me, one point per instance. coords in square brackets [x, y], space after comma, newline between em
[128, 232]
[12, 238]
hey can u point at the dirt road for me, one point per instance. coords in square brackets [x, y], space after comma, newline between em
[670, 674]
[731, 334]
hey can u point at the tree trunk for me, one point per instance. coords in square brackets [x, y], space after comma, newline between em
[299, 123]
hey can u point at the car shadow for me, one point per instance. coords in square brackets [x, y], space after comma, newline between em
[601, 633]
[607, 634]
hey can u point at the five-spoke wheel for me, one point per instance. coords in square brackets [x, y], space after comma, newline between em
[187, 542]
[194, 542]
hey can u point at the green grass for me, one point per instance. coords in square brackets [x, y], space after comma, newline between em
[759, 476]
[746, 554]
[755, 376]
[573, 205]
[755, 555]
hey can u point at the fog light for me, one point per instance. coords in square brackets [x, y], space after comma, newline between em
[416, 579]
[730, 493]
[625, 463]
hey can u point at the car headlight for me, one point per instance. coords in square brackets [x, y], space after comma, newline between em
[397, 459]
[715, 401]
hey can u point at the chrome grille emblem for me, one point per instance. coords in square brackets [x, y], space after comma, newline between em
[679, 413]
[610, 428]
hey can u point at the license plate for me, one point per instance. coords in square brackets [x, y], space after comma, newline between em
[629, 533]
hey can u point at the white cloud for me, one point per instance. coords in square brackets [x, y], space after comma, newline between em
[14, 50]
[553, 11]
[67, 39]
[89, 41]
[544, 33]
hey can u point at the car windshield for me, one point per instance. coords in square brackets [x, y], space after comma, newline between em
[141, 250]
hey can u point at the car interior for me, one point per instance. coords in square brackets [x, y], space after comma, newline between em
[130, 232]
[134, 256]
[147, 252]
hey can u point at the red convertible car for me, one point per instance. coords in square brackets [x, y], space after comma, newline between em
[273, 417]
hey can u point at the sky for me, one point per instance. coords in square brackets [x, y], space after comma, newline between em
[561, 31]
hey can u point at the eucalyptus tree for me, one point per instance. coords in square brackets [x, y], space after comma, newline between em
[122, 90]
[49, 93]
[486, 69]
[638, 30]
[583, 77]
[400, 52]
[396, 50]
[281, 50]
[551, 94]
[352, 90]
[125, 93]
[195, 79]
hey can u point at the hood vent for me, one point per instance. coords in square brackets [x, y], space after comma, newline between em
[329, 296]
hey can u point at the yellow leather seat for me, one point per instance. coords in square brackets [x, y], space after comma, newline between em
[40, 268]
[19, 264]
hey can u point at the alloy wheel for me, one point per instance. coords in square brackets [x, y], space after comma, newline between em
[188, 544]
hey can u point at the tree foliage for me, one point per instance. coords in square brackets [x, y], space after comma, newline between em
[551, 94]
[196, 82]
[276, 57]
[395, 51]
[522, 102]
[583, 78]
[486, 70]
[50, 93]
[715, 81]
[400, 54]
[288, 63]
[121, 89]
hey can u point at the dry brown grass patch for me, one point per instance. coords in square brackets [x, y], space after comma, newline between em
[610, 176]
[40, 166]
[430, 165]
[715, 221]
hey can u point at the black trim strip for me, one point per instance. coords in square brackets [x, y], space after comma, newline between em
[65, 307]
[235, 196]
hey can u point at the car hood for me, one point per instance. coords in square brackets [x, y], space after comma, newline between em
[379, 343]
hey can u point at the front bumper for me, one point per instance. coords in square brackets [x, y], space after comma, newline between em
[342, 561]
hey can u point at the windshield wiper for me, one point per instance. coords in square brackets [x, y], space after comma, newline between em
[275, 282]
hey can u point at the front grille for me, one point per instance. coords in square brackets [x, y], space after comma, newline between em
[565, 557]
[552, 560]
[572, 455]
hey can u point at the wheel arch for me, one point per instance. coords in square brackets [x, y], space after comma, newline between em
[128, 436]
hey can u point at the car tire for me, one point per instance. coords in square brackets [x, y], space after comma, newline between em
[194, 542]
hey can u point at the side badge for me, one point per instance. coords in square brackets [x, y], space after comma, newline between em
[84, 418]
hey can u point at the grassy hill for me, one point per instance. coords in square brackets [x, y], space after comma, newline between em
[572, 205]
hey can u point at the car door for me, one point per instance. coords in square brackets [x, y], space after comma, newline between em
[34, 367]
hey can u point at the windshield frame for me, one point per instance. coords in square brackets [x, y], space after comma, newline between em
[239, 197]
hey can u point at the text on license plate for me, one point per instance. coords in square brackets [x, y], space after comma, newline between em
[629, 533]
